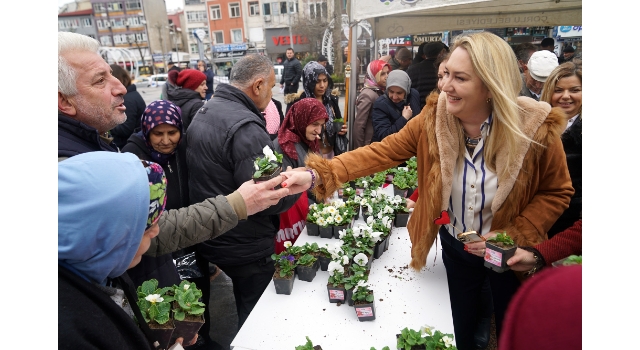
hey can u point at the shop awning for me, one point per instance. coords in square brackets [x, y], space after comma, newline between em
[399, 18]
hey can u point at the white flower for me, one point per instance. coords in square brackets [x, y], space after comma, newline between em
[386, 220]
[357, 199]
[388, 209]
[342, 233]
[365, 184]
[321, 221]
[447, 341]
[334, 267]
[380, 215]
[361, 284]
[154, 298]
[363, 202]
[374, 193]
[186, 286]
[339, 218]
[330, 220]
[376, 235]
[426, 329]
[268, 153]
[316, 215]
[361, 259]
[287, 244]
[331, 210]
[358, 244]
[370, 220]
[345, 260]
[255, 165]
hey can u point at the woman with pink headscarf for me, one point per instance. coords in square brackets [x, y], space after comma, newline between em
[375, 82]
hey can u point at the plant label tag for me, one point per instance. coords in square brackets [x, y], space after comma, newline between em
[359, 191]
[364, 311]
[340, 192]
[493, 257]
[336, 294]
[389, 178]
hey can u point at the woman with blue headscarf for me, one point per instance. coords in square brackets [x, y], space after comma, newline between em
[108, 210]
[317, 84]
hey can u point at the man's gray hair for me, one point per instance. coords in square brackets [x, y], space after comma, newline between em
[250, 68]
[68, 41]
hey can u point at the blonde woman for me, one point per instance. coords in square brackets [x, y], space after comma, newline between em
[563, 89]
[490, 160]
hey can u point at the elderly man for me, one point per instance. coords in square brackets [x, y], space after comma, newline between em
[540, 65]
[225, 137]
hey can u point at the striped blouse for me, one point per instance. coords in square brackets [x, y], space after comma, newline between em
[474, 187]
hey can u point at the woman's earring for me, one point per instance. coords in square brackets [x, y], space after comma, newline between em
[489, 100]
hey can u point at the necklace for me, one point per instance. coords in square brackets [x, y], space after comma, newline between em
[471, 142]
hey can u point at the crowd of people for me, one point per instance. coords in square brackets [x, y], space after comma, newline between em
[497, 136]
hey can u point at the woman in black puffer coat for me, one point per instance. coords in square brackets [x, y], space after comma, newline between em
[190, 96]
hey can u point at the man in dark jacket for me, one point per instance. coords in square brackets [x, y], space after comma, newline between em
[227, 134]
[291, 73]
[424, 75]
[202, 66]
[322, 59]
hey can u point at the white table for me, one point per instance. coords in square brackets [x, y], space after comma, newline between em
[403, 298]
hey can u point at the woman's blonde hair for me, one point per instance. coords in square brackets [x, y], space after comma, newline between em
[496, 65]
[565, 70]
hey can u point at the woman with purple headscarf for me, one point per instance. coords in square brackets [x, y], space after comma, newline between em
[161, 140]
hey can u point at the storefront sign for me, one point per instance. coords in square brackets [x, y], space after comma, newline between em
[399, 41]
[278, 40]
[419, 39]
[231, 54]
[569, 31]
[229, 47]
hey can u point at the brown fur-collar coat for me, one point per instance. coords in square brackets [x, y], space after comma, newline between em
[526, 204]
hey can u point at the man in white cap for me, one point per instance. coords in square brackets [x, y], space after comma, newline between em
[535, 73]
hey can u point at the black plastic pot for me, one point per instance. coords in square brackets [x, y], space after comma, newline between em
[365, 311]
[325, 232]
[269, 177]
[399, 192]
[324, 262]
[188, 328]
[336, 230]
[312, 229]
[379, 249]
[337, 126]
[386, 242]
[306, 273]
[401, 219]
[336, 294]
[349, 294]
[162, 333]
[283, 285]
[496, 257]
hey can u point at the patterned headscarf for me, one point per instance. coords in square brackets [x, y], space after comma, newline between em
[160, 112]
[372, 78]
[309, 80]
[157, 191]
[294, 127]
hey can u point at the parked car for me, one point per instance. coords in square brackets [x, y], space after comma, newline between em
[278, 68]
[157, 80]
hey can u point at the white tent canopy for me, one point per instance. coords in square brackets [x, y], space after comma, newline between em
[400, 18]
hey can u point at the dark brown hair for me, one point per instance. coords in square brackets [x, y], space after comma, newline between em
[121, 74]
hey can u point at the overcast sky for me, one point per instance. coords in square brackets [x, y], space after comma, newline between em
[171, 4]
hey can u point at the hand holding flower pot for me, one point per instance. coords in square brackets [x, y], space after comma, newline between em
[267, 167]
[187, 310]
[155, 306]
[499, 249]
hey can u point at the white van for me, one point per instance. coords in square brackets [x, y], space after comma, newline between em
[279, 69]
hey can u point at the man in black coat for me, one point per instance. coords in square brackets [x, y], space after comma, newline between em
[424, 75]
[291, 73]
[225, 137]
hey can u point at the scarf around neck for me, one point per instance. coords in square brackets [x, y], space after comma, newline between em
[294, 127]
[156, 113]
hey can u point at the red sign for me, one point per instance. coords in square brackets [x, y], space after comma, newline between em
[286, 40]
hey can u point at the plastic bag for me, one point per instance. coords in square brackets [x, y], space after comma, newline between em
[341, 145]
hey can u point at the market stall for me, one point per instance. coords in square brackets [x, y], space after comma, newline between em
[403, 298]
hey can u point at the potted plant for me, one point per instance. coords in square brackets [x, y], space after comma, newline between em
[348, 192]
[499, 249]
[426, 338]
[314, 250]
[399, 205]
[342, 218]
[335, 285]
[308, 346]
[305, 268]
[187, 310]
[401, 183]
[337, 124]
[363, 302]
[378, 179]
[311, 224]
[324, 258]
[267, 167]
[362, 183]
[283, 277]
[155, 306]
[568, 261]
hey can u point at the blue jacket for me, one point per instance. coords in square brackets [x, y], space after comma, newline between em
[387, 118]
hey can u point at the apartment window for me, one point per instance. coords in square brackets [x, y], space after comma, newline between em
[236, 36]
[134, 21]
[193, 2]
[62, 24]
[133, 5]
[193, 48]
[191, 36]
[275, 8]
[117, 23]
[318, 10]
[293, 6]
[234, 9]
[99, 7]
[254, 8]
[283, 7]
[105, 40]
[218, 37]
[215, 12]
[196, 16]
[74, 23]
[114, 6]
[267, 9]
[86, 22]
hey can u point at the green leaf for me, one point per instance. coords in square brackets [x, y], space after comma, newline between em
[257, 174]
[178, 315]
[370, 298]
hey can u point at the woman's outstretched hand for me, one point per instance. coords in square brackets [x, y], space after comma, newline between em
[297, 180]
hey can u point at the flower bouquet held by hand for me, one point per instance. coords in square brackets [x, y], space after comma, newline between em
[267, 167]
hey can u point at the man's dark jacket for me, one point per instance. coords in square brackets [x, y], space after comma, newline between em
[75, 138]
[189, 102]
[135, 107]
[424, 78]
[291, 72]
[228, 133]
